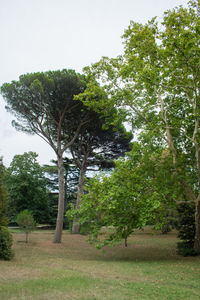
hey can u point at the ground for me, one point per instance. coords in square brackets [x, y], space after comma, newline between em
[148, 268]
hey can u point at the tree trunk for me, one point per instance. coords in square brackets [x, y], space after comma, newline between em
[60, 214]
[65, 188]
[76, 222]
[197, 226]
[26, 237]
[174, 154]
[125, 242]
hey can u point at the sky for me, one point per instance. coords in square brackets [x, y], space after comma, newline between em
[43, 35]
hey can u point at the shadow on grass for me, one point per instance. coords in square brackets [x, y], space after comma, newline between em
[145, 248]
[141, 248]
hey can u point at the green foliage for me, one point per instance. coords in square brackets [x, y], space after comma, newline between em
[186, 229]
[3, 196]
[157, 79]
[27, 188]
[6, 253]
[43, 104]
[97, 147]
[85, 229]
[123, 200]
[26, 222]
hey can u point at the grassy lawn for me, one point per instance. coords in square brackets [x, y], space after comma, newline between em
[148, 269]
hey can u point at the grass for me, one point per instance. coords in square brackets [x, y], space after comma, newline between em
[148, 269]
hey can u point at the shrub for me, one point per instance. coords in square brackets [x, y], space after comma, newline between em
[186, 249]
[26, 222]
[186, 229]
[6, 241]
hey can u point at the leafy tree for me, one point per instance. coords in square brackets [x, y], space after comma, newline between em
[3, 196]
[26, 222]
[157, 79]
[27, 188]
[43, 104]
[125, 200]
[6, 251]
[97, 147]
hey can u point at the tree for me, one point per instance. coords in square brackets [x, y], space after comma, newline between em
[157, 78]
[27, 188]
[3, 196]
[43, 104]
[123, 200]
[26, 222]
[6, 251]
[97, 147]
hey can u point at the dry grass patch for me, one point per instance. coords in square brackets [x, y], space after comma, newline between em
[148, 269]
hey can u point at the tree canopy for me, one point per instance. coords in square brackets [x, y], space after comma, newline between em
[156, 82]
[27, 188]
[43, 104]
[124, 200]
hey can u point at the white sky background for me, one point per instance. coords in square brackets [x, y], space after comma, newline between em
[42, 35]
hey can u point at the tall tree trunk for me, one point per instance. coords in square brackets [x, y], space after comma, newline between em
[76, 222]
[65, 188]
[187, 189]
[26, 237]
[60, 214]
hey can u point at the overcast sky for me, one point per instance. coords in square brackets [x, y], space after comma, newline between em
[42, 35]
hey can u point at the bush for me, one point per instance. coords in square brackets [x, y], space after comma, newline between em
[6, 241]
[186, 229]
[186, 249]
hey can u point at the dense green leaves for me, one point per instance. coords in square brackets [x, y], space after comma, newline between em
[124, 200]
[3, 196]
[42, 102]
[6, 253]
[157, 81]
[27, 188]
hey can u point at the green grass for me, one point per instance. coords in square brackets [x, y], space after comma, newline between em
[148, 269]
